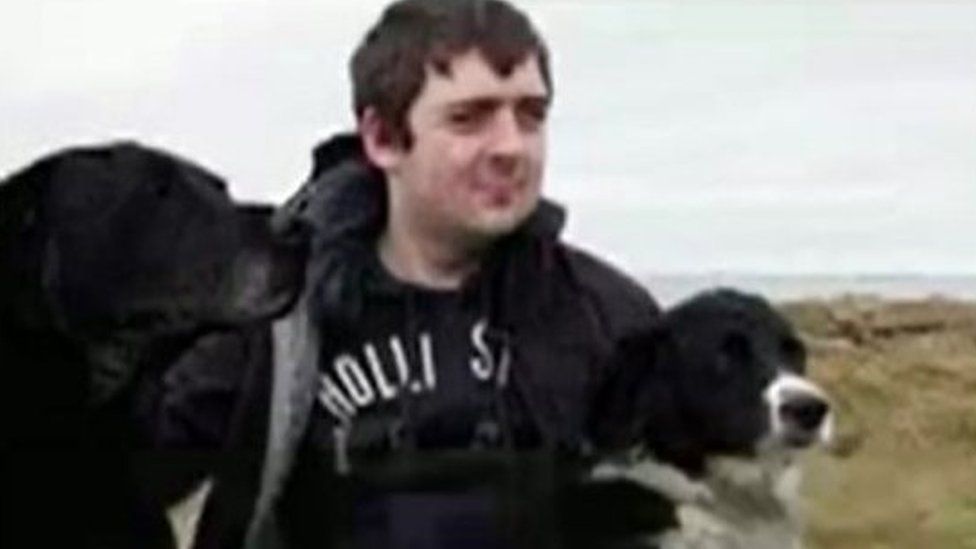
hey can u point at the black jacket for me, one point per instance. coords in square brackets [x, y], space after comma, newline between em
[555, 313]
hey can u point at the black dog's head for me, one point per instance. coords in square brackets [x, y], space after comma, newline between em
[107, 251]
[126, 234]
[721, 374]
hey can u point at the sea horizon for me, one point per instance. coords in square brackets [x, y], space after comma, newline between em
[671, 288]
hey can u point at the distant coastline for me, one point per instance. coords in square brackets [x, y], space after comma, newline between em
[669, 289]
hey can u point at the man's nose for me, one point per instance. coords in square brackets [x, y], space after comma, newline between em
[508, 138]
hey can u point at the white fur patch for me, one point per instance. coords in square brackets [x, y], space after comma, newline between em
[739, 504]
[656, 476]
[184, 515]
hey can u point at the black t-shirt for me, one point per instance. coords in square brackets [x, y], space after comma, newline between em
[402, 448]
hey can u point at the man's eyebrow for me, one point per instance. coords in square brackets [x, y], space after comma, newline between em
[490, 103]
[541, 101]
[475, 103]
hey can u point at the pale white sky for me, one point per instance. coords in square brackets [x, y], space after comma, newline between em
[779, 136]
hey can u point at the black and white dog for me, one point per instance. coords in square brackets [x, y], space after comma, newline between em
[713, 408]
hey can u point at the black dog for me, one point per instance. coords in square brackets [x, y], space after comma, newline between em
[113, 261]
[709, 411]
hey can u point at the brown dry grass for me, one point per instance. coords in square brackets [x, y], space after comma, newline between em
[903, 375]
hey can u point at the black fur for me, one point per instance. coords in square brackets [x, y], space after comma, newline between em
[112, 260]
[691, 388]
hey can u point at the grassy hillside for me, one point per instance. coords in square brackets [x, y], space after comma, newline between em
[903, 474]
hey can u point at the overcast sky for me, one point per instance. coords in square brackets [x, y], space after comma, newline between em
[777, 136]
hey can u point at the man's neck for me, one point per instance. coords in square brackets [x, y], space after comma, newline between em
[428, 262]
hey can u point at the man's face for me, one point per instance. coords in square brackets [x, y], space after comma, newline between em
[475, 167]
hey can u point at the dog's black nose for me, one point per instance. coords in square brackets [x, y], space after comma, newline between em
[806, 411]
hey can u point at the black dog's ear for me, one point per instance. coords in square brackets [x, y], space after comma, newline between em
[618, 412]
[638, 403]
[23, 250]
[662, 424]
[267, 271]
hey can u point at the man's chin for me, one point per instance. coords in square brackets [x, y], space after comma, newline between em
[493, 225]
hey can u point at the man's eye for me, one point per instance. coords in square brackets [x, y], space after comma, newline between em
[532, 116]
[465, 119]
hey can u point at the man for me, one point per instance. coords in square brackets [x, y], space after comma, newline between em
[432, 386]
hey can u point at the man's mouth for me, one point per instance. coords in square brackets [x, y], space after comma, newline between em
[498, 193]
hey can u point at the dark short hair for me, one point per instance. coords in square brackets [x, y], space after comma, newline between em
[389, 66]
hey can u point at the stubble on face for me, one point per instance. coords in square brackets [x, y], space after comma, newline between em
[474, 170]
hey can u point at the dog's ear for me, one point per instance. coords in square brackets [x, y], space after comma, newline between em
[638, 405]
[659, 408]
[633, 387]
[23, 247]
[267, 270]
[612, 419]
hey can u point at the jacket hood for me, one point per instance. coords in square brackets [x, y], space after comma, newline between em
[345, 196]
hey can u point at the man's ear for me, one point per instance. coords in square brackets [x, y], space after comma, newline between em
[379, 143]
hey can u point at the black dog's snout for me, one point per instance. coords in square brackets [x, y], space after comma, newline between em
[806, 411]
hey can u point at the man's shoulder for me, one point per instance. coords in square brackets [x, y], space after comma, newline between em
[615, 291]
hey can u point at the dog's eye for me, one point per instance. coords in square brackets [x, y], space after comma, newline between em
[735, 349]
[736, 346]
[793, 350]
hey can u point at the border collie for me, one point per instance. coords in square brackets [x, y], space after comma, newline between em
[710, 411]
